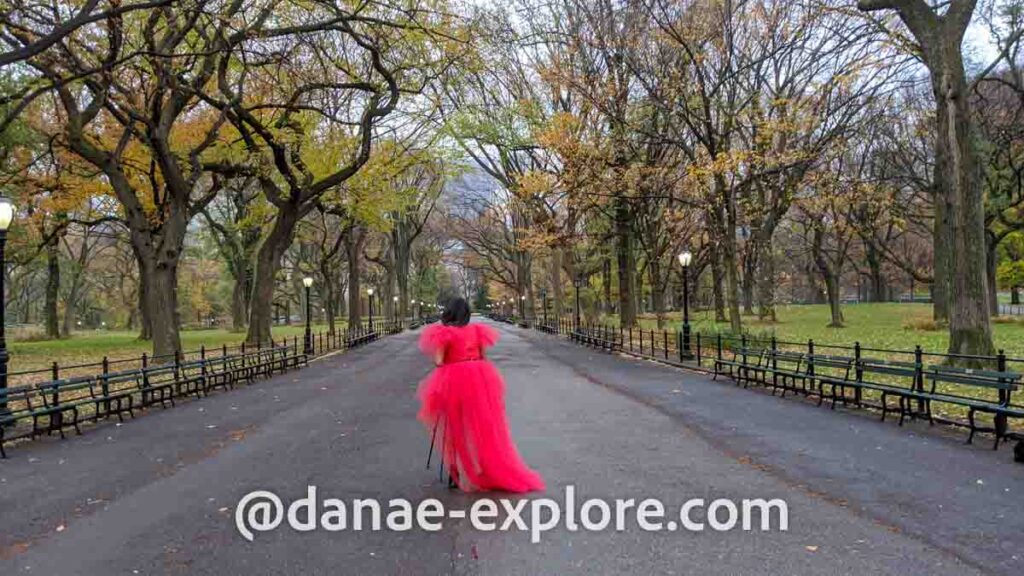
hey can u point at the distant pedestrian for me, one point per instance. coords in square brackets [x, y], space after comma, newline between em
[463, 404]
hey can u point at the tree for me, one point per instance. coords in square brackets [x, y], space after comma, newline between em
[308, 118]
[939, 35]
[235, 221]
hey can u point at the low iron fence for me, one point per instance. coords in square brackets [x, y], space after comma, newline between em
[61, 396]
[957, 389]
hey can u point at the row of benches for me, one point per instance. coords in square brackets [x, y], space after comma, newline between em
[906, 388]
[844, 379]
[55, 405]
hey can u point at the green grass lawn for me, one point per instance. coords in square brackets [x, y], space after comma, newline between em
[885, 325]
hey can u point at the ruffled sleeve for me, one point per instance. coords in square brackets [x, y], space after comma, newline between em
[434, 338]
[486, 335]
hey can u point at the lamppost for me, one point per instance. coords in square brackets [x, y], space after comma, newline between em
[369, 296]
[578, 283]
[685, 257]
[394, 308]
[307, 346]
[522, 307]
[6, 215]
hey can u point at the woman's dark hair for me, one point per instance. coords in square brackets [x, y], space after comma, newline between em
[456, 312]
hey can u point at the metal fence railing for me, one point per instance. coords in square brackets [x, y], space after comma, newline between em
[47, 400]
[706, 350]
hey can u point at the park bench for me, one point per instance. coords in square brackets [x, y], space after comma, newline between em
[741, 365]
[19, 402]
[161, 383]
[214, 372]
[785, 368]
[116, 392]
[60, 402]
[837, 379]
[265, 362]
[871, 370]
[286, 359]
[1003, 382]
[814, 372]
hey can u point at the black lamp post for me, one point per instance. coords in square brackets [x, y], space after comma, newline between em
[308, 340]
[685, 258]
[578, 284]
[6, 215]
[394, 308]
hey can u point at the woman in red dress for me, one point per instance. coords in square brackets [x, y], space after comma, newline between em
[463, 405]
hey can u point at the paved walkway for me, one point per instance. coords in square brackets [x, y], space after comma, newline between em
[157, 494]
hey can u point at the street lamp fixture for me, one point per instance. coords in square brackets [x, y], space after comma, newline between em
[685, 258]
[307, 344]
[6, 216]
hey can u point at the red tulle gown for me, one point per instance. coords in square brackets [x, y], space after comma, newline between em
[464, 401]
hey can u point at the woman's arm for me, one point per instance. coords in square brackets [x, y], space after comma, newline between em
[438, 357]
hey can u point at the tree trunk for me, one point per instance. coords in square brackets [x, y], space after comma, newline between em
[765, 274]
[53, 290]
[830, 275]
[942, 242]
[162, 303]
[991, 262]
[268, 262]
[728, 234]
[402, 278]
[624, 258]
[145, 326]
[1015, 295]
[606, 285]
[329, 310]
[354, 241]
[556, 285]
[717, 284]
[957, 179]
[238, 312]
[747, 284]
[876, 289]
[387, 293]
[832, 287]
[813, 294]
[657, 291]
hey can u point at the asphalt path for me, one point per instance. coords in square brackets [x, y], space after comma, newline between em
[157, 495]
